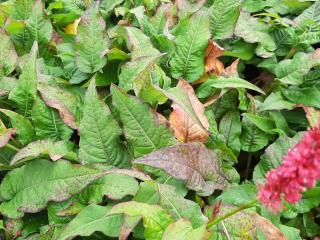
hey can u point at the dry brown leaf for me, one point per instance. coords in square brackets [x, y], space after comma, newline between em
[231, 70]
[183, 126]
[212, 63]
[270, 231]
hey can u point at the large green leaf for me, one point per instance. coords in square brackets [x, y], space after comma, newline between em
[8, 55]
[224, 15]
[188, 60]
[48, 123]
[22, 9]
[191, 162]
[273, 155]
[115, 186]
[38, 27]
[90, 219]
[100, 133]
[91, 42]
[309, 19]
[308, 95]
[141, 128]
[182, 230]
[23, 126]
[56, 150]
[24, 93]
[169, 199]
[25, 191]
[155, 218]
[253, 31]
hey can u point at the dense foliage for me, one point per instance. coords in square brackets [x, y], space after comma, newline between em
[158, 119]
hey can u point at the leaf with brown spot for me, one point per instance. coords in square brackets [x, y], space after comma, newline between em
[187, 120]
[312, 115]
[5, 134]
[270, 231]
[212, 63]
[192, 162]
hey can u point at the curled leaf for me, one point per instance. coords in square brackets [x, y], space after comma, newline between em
[212, 63]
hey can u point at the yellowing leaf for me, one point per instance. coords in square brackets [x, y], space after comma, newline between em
[72, 28]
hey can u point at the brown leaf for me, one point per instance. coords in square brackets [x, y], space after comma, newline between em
[270, 231]
[5, 135]
[312, 115]
[184, 127]
[231, 70]
[212, 63]
[192, 162]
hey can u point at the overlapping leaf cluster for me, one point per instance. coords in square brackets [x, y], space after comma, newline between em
[153, 119]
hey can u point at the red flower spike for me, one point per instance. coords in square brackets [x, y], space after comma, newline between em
[300, 170]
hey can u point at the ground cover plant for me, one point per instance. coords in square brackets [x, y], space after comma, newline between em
[158, 119]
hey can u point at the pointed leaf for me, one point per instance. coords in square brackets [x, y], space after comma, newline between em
[192, 162]
[25, 191]
[25, 91]
[191, 43]
[90, 219]
[23, 126]
[155, 218]
[100, 133]
[48, 123]
[91, 42]
[141, 129]
[55, 150]
[8, 55]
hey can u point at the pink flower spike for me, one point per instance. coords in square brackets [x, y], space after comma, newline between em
[300, 170]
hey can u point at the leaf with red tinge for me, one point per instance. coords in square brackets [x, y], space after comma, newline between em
[187, 119]
[270, 231]
[192, 162]
[212, 63]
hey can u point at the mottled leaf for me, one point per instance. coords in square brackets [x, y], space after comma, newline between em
[182, 230]
[8, 55]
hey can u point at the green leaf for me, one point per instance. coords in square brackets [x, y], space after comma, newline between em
[90, 219]
[308, 95]
[155, 218]
[253, 31]
[310, 18]
[22, 9]
[252, 138]
[188, 60]
[100, 133]
[169, 199]
[191, 162]
[25, 191]
[141, 128]
[275, 101]
[265, 124]
[224, 16]
[292, 71]
[232, 82]
[115, 186]
[8, 55]
[23, 126]
[230, 128]
[24, 93]
[39, 29]
[56, 150]
[47, 123]
[64, 100]
[238, 195]
[272, 158]
[91, 42]
[182, 230]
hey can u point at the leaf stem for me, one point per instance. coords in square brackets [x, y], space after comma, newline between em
[232, 212]
[12, 147]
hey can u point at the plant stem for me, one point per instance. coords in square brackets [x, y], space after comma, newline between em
[232, 212]
[12, 147]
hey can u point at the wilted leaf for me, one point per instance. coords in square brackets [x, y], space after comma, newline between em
[90, 219]
[55, 150]
[270, 231]
[184, 127]
[23, 127]
[191, 43]
[155, 218]
[91, 42]
[25, 191]
[198, 166]
[212, 63]
[142, 131]
[100, 133]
